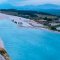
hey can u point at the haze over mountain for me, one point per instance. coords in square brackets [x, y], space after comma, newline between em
[38, 7]
[6, 6]
[30, 7]
[48, 8]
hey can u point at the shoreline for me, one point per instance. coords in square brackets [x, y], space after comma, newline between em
[33, 27]
[3, 52]
[40, 28]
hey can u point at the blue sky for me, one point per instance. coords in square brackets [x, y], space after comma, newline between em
[29, 2]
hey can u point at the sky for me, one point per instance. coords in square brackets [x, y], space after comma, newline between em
[29, 2]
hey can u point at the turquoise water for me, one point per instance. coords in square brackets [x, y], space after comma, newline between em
[29, 44]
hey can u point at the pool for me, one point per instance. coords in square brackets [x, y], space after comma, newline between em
[29, 44]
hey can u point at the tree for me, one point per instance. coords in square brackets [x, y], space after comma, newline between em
[45, 18]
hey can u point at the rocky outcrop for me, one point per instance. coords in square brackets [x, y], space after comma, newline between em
[4, 54]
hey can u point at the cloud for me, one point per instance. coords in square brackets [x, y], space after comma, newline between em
[36, 2]
[29, 2]
[2, 1]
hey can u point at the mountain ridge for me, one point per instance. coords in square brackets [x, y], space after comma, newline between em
[46, 8]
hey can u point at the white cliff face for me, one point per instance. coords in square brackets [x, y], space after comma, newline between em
[1, 57]
[1, 46]
[16, 19]
[20, 21]
[3, 16]
[1, 43]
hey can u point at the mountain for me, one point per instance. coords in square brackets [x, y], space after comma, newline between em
[46, 8]
[38, 7]
[6, 6]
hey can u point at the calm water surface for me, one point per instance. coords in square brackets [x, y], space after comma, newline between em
[29, 44]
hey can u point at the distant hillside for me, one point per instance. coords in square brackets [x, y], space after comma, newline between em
[45, 8]
[51, 11]
[6, 6]
[24, 12]
[33, 15]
